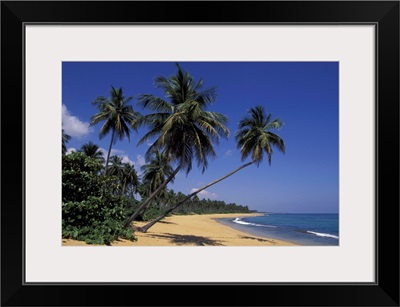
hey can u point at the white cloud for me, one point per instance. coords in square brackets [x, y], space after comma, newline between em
[204, 194]
[117, 152]
[228, 153]
[140, 160]
[70, 150]
[72, 125]
[125, 159]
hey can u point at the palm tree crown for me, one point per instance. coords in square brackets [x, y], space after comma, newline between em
[116, 166]
[182, 126]
[130, 178]
[92, 150]
[254, 136]
[117, 116]
[156, 172]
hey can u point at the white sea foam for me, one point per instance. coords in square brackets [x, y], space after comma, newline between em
[321, 234]
[238, 220]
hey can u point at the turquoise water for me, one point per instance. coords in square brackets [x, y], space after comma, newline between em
[299, 228]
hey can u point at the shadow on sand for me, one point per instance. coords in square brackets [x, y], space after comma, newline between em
[188, 239]
[165, 222]
[258, 239]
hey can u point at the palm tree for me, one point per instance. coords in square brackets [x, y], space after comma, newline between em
[254, 138]
[65, 140]
[116, 167]
[156, 171]
[182, 126]
[129, 178]
[92, 150]
[117, 115]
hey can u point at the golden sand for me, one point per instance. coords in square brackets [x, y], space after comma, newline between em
[192, 230]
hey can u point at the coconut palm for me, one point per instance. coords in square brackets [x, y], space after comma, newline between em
[156, 172]
[117, 116]
[116, 167]
[129, 178]
[65, 139]
[254, 138]
[183, 129]
[92, 150]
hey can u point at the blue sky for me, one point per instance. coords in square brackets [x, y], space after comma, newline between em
[304, 95]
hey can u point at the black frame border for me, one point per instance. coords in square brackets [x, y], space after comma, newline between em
[16, 14]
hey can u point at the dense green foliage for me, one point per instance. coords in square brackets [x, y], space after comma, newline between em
[96, 220]
[90, 212]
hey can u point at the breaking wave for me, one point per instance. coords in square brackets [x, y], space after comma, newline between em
[238, 220]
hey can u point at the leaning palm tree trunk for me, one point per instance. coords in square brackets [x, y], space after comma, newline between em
[146, 227]
[150, 198]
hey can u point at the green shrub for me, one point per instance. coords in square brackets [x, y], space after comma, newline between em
[90, 211]
[96, 220]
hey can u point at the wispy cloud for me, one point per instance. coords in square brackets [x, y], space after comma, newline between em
[204, 194]
[228, 153]
[116, 152]
[72, 125]
[140, 160]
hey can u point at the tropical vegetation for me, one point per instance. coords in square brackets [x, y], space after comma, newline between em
[89, 214]
[102, 198]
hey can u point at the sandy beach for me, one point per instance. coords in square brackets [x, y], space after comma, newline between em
[192, 230]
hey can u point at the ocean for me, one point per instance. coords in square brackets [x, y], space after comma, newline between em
[312, 229]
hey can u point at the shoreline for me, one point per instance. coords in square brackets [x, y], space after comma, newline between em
[193, 230]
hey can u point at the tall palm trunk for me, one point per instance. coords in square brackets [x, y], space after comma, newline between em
[152, 195]
[147, 226]
[109, 150]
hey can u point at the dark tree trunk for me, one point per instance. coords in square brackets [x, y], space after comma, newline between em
[150, 198]
[109, 151]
